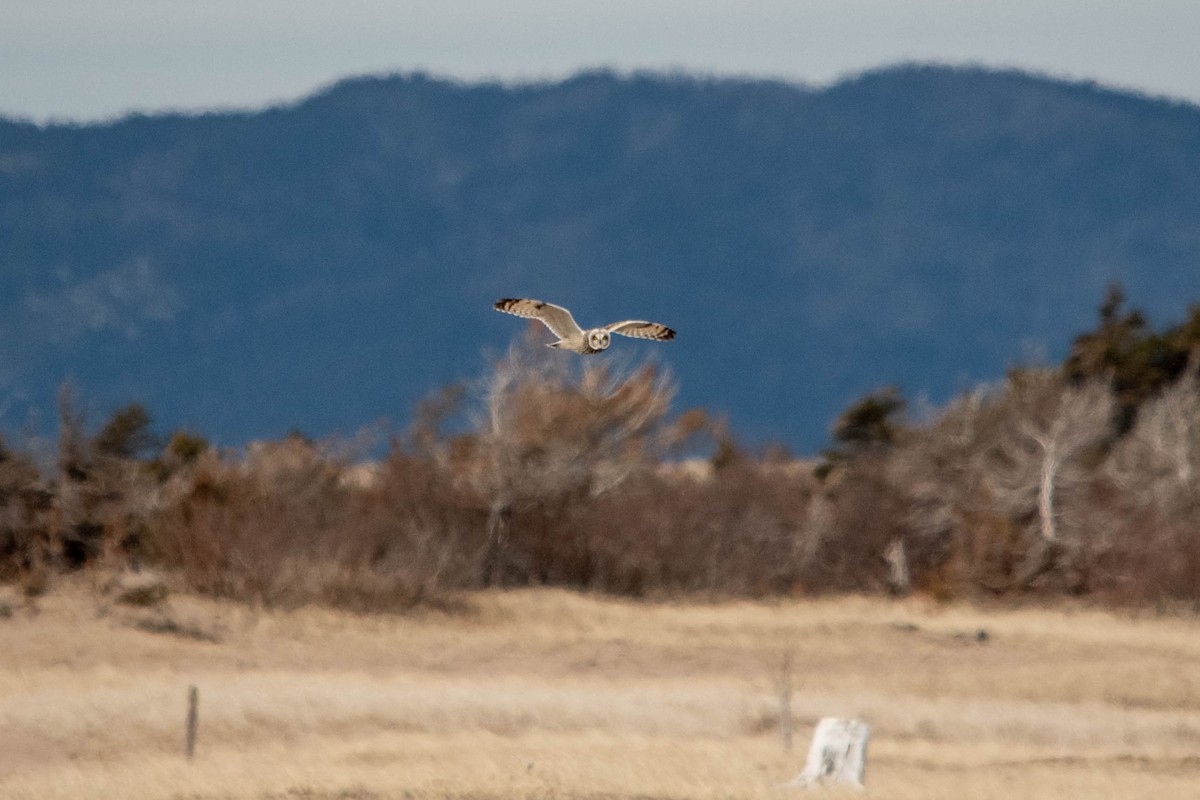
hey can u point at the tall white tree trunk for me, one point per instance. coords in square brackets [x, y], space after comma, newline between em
[1050, 466]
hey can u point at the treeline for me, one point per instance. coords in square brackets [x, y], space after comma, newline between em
[1080, 479]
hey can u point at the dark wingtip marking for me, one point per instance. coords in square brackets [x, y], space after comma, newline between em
[505, 303]
[668, 335]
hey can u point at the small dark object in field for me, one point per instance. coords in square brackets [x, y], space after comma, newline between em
[176, 628]
[979, 636]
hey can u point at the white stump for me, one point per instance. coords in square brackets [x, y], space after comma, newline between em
[838, 755]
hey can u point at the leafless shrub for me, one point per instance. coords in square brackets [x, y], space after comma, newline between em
[26, 502]
[552, 437]
[281, 527]
[1160, 458]
[956, 538]
[740, 533]
[852, 525]
[575, 472]
[994, 487]
[1146, 503]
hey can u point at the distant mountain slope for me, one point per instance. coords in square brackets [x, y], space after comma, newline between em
[325, 264]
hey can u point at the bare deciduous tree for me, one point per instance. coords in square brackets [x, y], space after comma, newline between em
[1148, 510]
[941, 468]
[1159, 460]
[1049, 429]
[554, 430]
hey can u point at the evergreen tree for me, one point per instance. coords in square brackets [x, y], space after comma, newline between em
[1138, 361]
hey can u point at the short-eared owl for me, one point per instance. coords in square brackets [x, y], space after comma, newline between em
[571, 336]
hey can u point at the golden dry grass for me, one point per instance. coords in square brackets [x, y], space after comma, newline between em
[552, 694]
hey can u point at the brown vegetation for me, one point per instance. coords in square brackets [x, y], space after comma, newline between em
[1084, 480]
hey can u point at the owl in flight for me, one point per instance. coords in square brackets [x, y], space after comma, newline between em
[571, 336]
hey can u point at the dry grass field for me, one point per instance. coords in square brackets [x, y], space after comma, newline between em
[545, 693]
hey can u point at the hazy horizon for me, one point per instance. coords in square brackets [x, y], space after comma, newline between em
[63, 61]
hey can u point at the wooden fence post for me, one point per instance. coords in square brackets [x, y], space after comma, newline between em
[785, 703]
[193, 717]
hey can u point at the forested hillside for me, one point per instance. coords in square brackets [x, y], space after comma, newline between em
[321, 265]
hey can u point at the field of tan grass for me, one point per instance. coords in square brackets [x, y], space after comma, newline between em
[545, 693]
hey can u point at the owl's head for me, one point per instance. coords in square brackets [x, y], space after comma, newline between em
[599, 339]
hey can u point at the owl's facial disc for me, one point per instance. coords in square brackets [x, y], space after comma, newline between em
[599, 339]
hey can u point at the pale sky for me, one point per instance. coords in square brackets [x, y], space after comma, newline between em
[95, 59]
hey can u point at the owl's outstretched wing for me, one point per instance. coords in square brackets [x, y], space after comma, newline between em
[556, 318]
[640, 329]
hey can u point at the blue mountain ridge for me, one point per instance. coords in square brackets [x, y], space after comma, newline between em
[325, 264]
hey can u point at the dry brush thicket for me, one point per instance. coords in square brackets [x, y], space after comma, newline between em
[576, 474]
